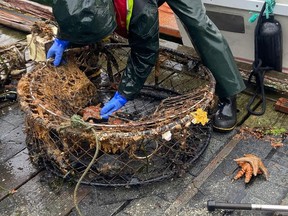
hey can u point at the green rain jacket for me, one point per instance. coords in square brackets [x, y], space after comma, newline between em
[88, 21]
[84, 21]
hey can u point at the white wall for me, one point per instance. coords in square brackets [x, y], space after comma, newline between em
[242, 44]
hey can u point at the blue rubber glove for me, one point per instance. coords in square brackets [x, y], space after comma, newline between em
[113, 105]
[57, 50]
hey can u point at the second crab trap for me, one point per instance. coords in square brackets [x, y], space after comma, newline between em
[157, 135]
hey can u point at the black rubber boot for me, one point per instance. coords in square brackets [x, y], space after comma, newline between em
[225, 118]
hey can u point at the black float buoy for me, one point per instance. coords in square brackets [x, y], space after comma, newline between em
[269, 42]
[268, 55]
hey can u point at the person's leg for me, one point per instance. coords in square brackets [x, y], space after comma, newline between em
[216, 55]
[160, 2]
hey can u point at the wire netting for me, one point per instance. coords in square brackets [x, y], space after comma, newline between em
[11, 61]
[151, 138]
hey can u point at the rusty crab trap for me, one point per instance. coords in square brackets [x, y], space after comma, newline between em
[156, 136]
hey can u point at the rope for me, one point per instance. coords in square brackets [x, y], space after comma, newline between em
[76, 121]
[269, 8]
[270, 4]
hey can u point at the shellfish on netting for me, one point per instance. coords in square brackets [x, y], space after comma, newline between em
[153, 137]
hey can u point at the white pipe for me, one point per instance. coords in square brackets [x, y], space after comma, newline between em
[269, 207]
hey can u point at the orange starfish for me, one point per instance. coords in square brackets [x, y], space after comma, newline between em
[255, 162]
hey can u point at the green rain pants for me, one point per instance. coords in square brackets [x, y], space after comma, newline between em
[210, 45]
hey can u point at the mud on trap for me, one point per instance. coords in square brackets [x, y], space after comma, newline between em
[151, 138]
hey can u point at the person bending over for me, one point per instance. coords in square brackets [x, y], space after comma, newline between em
[85, 22]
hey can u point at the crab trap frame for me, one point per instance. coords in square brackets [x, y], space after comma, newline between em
[157, 135]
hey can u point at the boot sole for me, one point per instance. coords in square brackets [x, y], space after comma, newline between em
[223, 129]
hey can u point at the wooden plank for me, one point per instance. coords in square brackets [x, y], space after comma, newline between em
[167, 21]
[40, 197]
[15, 172]
[12, 138]
[242, 102]
[193, 188]
[88, 207]
[273, 79]
[34, 193]
[33, 8]
[12, 144]
[16, 20]
[22, 14]
[271, 118]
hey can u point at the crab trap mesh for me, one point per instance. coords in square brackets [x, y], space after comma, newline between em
[153, 137]
[12, 61]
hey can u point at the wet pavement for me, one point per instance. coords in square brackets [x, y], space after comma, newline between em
[37, 192]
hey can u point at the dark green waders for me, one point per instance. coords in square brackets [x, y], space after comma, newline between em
[210, 45]
[144, 41]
